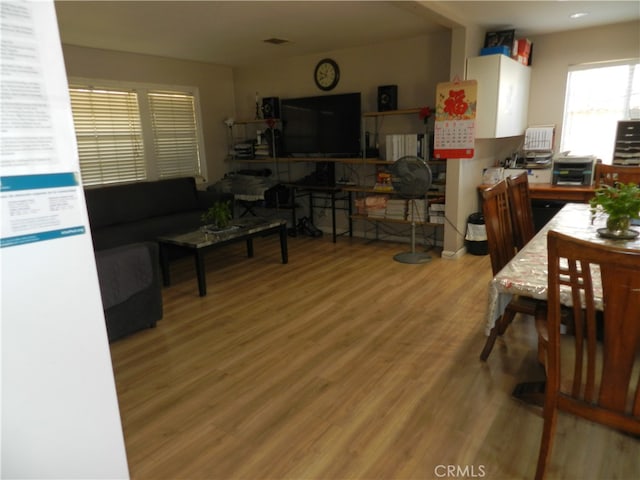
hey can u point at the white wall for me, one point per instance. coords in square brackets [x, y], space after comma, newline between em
[416, 65]
[554, 53]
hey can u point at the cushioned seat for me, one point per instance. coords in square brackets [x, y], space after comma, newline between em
[130, 286]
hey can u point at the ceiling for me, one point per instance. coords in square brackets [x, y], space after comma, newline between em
[233, 32]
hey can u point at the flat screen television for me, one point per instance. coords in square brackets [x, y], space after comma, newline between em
[326, 125]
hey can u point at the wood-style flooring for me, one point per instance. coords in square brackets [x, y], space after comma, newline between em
[342, 364]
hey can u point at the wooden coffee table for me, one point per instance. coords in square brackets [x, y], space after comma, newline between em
[198, 242]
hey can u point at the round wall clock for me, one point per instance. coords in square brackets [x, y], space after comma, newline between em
[326, 74]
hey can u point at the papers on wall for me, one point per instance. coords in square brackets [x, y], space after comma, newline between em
[539, 138]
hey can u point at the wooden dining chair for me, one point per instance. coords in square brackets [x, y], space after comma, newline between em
[611, 174]
[520, 208]
[501, 244]
[593, 375]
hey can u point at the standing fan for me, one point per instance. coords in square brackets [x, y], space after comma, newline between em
[411, 179]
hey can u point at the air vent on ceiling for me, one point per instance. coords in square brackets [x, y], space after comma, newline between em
[276, 41]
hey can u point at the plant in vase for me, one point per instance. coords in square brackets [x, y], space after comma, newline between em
[621, 202]
[218, 215]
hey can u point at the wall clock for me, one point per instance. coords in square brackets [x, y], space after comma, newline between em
[326, 74]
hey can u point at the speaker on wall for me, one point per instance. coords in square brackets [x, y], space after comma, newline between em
[270, 107]
[387, 98]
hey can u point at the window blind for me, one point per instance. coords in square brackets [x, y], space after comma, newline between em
[109, 135]
[175, 134]
[597, 97]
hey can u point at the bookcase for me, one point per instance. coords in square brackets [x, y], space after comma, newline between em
[373, 199]
[627, 144]
[244, 148]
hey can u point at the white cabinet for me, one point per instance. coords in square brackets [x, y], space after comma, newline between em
[503, 95]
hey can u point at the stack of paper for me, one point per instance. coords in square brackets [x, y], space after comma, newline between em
[396, 209]
[402, 145]
[417, 208]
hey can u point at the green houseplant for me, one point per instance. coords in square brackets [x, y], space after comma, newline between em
[218, 215]
[621, 202]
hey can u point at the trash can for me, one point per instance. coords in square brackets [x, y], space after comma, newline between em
[476, 236]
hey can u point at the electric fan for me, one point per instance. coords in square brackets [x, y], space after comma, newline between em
[411, 179]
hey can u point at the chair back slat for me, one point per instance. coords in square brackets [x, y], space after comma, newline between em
[605, 373]
[520, 208]
[621, 334]
[497, 218]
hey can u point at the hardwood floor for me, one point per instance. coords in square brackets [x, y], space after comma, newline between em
[342, 364]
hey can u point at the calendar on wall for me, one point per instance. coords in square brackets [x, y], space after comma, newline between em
[455, 122]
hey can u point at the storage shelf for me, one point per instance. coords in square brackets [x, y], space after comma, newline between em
[405, 111]
[394, 220]
[367, 189]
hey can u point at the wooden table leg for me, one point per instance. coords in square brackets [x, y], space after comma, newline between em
[164, 265]
[202, 276]
[283, 243]
[250, 247]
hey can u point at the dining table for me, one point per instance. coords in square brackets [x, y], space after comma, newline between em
[526, 273]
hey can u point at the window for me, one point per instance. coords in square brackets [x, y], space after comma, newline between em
[133, 134]
[597, 97]
[175, 139]
[109, 135]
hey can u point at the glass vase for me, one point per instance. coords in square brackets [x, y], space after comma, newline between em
[618, 224]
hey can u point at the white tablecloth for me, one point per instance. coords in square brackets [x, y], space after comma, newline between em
[526, 274]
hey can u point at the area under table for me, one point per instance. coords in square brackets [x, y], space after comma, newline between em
[198, 242]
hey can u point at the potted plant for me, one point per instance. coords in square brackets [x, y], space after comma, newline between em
[621, 202]
[218, 215]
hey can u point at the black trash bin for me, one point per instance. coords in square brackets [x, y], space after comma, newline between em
[476, 236]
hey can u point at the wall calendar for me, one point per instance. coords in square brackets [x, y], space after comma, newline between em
[455, 122]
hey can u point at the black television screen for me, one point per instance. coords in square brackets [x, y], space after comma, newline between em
[327, 125]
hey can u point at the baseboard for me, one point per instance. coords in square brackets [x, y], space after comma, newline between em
[448, 254]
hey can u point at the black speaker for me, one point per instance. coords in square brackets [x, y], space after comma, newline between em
[387, 98]
[270, 107]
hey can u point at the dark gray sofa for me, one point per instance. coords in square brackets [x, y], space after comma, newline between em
[125, 221]
[140, 212]
[131, 288]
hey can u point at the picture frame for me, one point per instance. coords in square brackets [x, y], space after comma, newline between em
[500, 38]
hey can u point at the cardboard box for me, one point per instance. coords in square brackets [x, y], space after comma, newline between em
[534, 175]
[499, 49]
[522, 50]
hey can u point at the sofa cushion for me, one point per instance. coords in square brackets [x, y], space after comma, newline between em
[137, 201]
[148, 229]
[123, 272]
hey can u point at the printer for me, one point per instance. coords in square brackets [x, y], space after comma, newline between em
[569, 170]
[536, 156]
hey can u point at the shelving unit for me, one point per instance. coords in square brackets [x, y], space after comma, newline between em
[366, 165]
[253, 124]
[438, 168]
[627, 144]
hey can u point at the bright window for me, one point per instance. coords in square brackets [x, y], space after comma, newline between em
[175, 134]
[109, 135]
[598, 95]
[137, 133]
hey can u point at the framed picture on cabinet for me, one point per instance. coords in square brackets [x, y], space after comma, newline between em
[500, 38]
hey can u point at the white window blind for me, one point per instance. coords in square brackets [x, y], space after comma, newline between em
[597, 97]
[132, 132]
[175, 134]
[109, 135]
